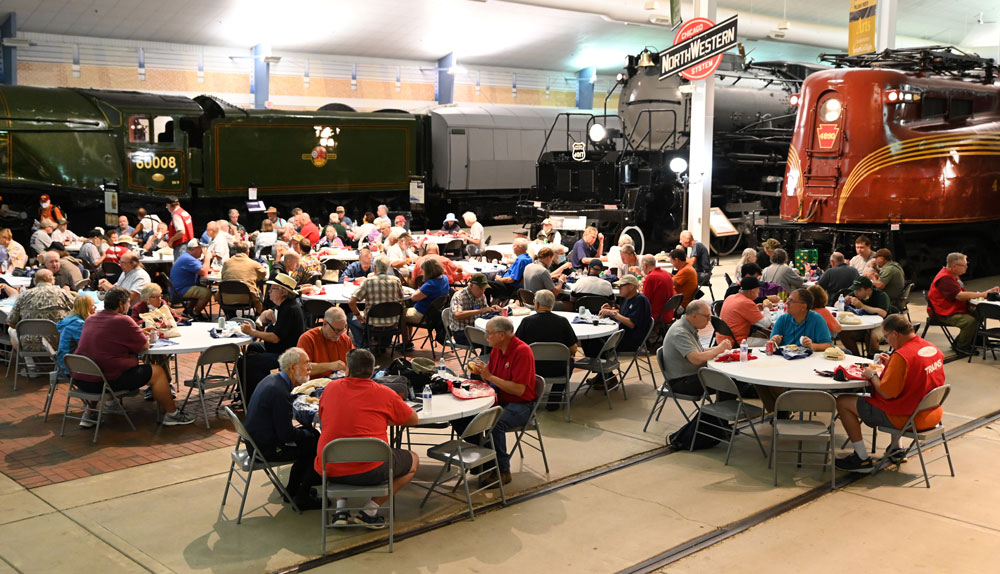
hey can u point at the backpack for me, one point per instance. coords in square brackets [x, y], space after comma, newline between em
[681, 439]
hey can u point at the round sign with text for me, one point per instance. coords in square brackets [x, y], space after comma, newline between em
[689, 29]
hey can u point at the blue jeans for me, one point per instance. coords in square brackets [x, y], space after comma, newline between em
[514, 415]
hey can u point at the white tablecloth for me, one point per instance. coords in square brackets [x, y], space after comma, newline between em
[583, 331]
[194, 338]
[777, 371]
[446, 408]
[16, 281]
[441, 240]
[481, 267]
[157, 258]
[346, 255]
[338, 293]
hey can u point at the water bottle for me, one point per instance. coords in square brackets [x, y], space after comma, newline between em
[781, 308]
[442, 370]
[841, 304]
[222, 323]
[744, 351]
[426, 398]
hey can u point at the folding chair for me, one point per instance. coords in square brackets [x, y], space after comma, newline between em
[355, 450]
[80, 365]
[449, 339]
[453, 248]
[934, 320]
[721, 328]
[606, 363]
[803, 429]
[526, 297]
[430, 320]
[386, 310]
[235, 296]
[332, 264]
[717, 307]
[990, 337]
[592, 303]
[314, 311]
[229, 357]
[465, 454]
[729, 280]
[112, 271]
[933, 399]
[672, 304]
[477, 340]
[34, 328]
[733, 411]
[904, 301]
[492, 256]
[666, 392]
[637, 356]
[523, 433]
[556, 353]
[248, 463]
[706, 281]
[56, 376]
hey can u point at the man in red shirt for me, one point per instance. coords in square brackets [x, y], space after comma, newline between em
[181, 228]
[916, 368]
[328, 344]
[949, 301]
[658, 287]
[307, 228]
[431, 251]
[358, 407]
[742, 314]
[512, 373]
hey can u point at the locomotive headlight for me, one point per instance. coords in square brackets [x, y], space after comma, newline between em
[793, 100]
[830, 110]
[597, 133]
[678, 165]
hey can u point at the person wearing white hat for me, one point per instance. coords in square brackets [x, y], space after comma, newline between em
[276, 329]
[451, 224]
[549, 234]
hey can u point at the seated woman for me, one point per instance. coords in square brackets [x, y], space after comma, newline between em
[820, 299]
[150, 298]
[71, 326]
[330, 239]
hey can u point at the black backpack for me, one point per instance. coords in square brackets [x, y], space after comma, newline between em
[681, 440]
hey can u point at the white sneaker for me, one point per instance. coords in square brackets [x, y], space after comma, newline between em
[88, 420]
[177, 418]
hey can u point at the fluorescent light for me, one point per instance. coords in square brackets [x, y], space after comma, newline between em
[16, 42]
[458, 70]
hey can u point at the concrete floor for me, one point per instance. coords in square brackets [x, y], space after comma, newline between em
[163, 516]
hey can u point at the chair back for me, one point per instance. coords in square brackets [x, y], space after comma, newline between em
[729, 280]
[722, 328]
[80, 365]
[356, 450]
[935, 398]
[453, 246]
[592, 303]
[717, 307]
[476, 336]
[230, 287]
[489, 239]
[673, 303]
[526, 297]
[334, 264]
[550, 352]
[905, 298]
[265, 251]
[611, 344]
[229, 353]
[492, 255]
[483, 423]
[446, 315]
[661, 360]
[386, 310]
[40, 327]
[714, 380]
[242, 431]
[111, 268]
[315, 308]
[806, 401]
[314, 278]
[984, 312]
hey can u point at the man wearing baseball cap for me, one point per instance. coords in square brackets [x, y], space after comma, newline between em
[184, 276]
[634, 316]
[888, 277]
[181, 228]
[593, 283]
[873, 301]
[468, 304]
[276, 330]
[342, 214]
[48, 211]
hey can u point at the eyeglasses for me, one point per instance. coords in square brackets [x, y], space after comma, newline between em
[700, 314]
[794, 301]
[335, 330]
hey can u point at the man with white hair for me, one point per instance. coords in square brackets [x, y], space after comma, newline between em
[234, 220]
[513, 278]
[218, 244]
[43, 301]
[475, 237]
[697, 255]
[682, 350]
[381, 288]
[547, 327]
[66, 274]
[41, 239]
[133, 277]
[328, 344]
[269, 422]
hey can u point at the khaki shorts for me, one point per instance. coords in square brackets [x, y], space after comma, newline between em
[198, 292]
[413, 316]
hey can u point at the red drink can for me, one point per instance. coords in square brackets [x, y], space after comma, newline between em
[505, 311]
[769, 348]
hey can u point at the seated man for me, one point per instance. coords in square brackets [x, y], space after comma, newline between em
[328, 344]
[839, 276]
[871, 300]
[41, 239]
[43, 301]
[401, 253]
[476, 236]
[593, 283]
[948, 300]
[309, 264]
[360, 268]
[888, 276]
[269, 422]
[742, 314]
[547, 327]
[277, 329]
[658, 287]
[865, 258]
[66, 274]
[358, 407]
[511, 371]
[682, 351]
[584, 249]
[697, 256]
[184, 276]
[634, 316]
[112, 340]
[433, 251]
[218, 244]
[537, 275]
[239, 267]
[913, 370]
[133, 277]
[468, 304]
[382, 288]
[685, 277]
[782, 274]
[513, 278]
[798, 326]
[90, 251]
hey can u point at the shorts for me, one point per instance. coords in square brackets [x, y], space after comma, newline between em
[413, 316]
[872, 415]
[132, 379]
[402, 460]
[198, 292]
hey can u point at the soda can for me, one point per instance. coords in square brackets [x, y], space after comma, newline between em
[769, 348]
[505, 311]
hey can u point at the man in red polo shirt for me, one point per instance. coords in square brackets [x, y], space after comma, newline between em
[307, 228]
[658, 287]
[916, 368]
[512, 373]
[181, 228]
[950, 301]
[358, 407]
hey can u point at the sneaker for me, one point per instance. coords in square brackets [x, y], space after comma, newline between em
[113, 407]
[489, 480]
[177, 417]
[147, 395]
[88, 420]
[896, 456]
[342, 518]
[372, 522]
[852, 463]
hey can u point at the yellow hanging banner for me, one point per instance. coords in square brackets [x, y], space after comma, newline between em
[861, 27]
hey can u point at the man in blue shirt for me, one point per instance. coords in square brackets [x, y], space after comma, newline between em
[184, 277]
[360, 268]
[798, 326]
[513, 279]
[584, 249]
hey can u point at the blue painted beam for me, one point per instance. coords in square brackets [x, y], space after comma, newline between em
[260, 79]
[8, 55]
[585, 89]
[444, 91]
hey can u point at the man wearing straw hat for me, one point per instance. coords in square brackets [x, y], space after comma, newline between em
[276, 329]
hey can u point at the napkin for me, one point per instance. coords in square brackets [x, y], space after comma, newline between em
[734, 357]
[162, 343]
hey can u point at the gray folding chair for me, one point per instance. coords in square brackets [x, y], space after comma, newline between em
[733, 411]
[803, 429]
[665, 392]
[933, 399]
[464, 455]
[555, 352]
[228, 356]
[56, 376]
[247, 463]
[449, 340]
[355, 450]
[80, 365]
[640, 354]
[606, 363]
[523, 433]
[477, 339]
[34, 328]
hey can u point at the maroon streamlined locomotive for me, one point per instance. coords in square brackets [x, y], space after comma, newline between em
[904, 146]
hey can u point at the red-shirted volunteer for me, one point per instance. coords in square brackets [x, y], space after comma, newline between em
[181, 228]
[949, 300]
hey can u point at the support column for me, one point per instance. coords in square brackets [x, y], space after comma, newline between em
[445, 88]
[260, 76]
[885, 24]
[700, 163]
[585, 89]
[8, 55]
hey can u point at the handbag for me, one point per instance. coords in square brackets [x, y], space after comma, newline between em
[162, 320]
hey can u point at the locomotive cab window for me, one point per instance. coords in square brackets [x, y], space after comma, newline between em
[933, 106]
[138, 129]
[959, 109]
[163, 127]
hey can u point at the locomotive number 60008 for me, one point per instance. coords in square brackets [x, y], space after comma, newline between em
[145, 161]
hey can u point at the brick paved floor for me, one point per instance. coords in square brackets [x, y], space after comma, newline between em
[33, 454]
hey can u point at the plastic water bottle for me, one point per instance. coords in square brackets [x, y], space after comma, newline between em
[744, 351]
[426, 397]
[442, 369]
[222, 323]
[841, 304]
[781, 308]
